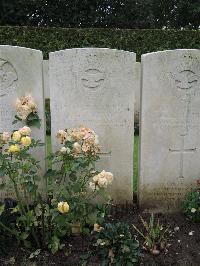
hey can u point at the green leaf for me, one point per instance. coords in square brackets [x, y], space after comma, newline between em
[24, 235]
[2, 186]
[27, 244]
[86, 231]
[33, 120]
[2, 208]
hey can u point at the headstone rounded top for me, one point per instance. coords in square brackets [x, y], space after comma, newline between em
[168, 52]
[19, 48]
[92, 49]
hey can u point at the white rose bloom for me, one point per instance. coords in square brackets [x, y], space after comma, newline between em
[109, 177]
[103, 182]
[77, 147]
[193, 210]
[63, 150]
[102, 174]
[95, 178]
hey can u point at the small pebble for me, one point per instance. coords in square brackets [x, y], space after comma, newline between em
[191, 233]
[155, 252]
[176, 228]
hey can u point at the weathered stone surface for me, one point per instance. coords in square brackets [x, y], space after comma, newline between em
[170, 128]
[21, 74]
[46, 79]
[95, 87]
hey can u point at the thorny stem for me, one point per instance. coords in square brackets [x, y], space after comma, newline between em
[22, 210]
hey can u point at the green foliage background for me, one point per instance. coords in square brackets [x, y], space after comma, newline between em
[138, 41]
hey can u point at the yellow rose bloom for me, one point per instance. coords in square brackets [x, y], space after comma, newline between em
[14, 148]
[63, 207]
[26, 141]
[16, 136]
[97, 228]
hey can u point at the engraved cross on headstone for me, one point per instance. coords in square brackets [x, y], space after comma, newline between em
[183, 151]
[185, 81]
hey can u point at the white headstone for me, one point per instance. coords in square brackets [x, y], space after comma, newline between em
[46, 79]
[21, 74]
[170, 128]
[95, 87]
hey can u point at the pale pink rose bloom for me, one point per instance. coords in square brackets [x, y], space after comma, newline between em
[25, 131]
[30, 102]
[23, 111]
[25, 106]
[76, 134]
[5, 136]
[85, 147]
[90, 140]
[61, 135]
[84, 130]
[87, 135]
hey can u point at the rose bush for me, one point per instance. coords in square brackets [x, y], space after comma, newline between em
[73, 195]
[39, 221]
[77, 180]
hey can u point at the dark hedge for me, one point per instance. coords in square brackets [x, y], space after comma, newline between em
[138, 41]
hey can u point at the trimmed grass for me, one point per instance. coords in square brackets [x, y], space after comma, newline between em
[48, 141]
[136, 153]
